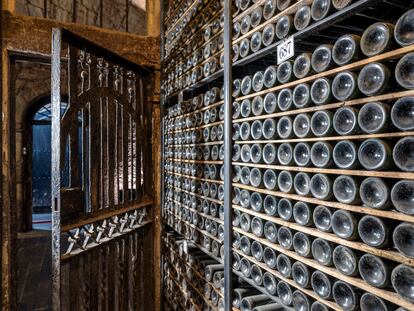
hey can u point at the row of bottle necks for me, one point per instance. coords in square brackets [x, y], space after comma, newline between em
[374, 231]
[348, 48]
[373, 270]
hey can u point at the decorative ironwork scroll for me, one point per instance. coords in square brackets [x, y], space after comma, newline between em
[101, 178]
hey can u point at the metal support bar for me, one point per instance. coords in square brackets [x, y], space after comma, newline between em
[228, 191]
[56, 51]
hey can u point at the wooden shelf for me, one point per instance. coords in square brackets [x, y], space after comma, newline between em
[314, 265]
[197, 178]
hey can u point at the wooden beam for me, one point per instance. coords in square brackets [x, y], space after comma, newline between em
[9, 5]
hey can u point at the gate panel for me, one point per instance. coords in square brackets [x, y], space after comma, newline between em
[101, 179]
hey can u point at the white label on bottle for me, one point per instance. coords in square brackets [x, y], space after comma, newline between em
[285, 50]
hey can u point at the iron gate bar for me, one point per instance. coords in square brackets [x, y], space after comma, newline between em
[228, 103]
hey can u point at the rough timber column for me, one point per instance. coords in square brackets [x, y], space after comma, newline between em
[153, 17]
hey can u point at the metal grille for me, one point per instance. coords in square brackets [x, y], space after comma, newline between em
[101, 213]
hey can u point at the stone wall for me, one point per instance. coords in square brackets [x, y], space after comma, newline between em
[115, 14]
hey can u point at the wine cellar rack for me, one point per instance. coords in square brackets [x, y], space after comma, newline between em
[320, 212]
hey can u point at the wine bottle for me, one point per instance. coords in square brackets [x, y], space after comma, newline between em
[344, 86]
[346, 49]
[320, 9]
[303, 212]
[402, 196]
[257, 106]
[374, 232]
[269, 257]
[377, 39]
[321, 187]
[256, 275]
[401, 277]
[256, 202]
[283, 4]
[345, 225]
[301, 184]
[371, 302]
[345, 154]
[285, 182]
[240, 293]
[375, 154]
[245, 244]
[285, 127]
[270, 202]
[269, 129]
[270, 231]
[270, 76]
[402, 237]
[270, 103]
[256, 41]
[244, 198]
[345, 121]
[345, 260]
[284, 265]
[256, 153]
[270, 179]
[322, 58]
[269, 9]
[284, 26]
[346, 296]
[300, 301]
[322, 251]
[284, 292]
[321, 284]
[244, 48]
[301, 274]
[301, 95]
[257, 250]
[302, 66]
[301, 154]
[403, 154]
[249, 303]
[302, 17]
[245, 131]
[318, 306]
[284, 72]
[346, 189]
[285, 154]
[402, 113]
[301, 125]
[321, 92]
[375, 271]
[373, 79]
[302, 244]
[375, 193]
[404, 30]
[373, 117]
[285, 99]
[256, 17]
[321, 154]
[270, 283]
[245, 155]
[245, 24]
[321, 123]
[256, 177]
[256, 130]
[285, 238]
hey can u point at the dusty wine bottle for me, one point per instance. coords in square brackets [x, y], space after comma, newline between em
[285, 238]
[320, 9]
[374, 232]
[377, 39]
[346, 189]
[256, 130]
[373, 79]
[301, 95]
[301, 184]
[245, 24]
[244, 47]
[270, 283]
[302, 244]
[257, 250]
[256, 177]
[345, 260]
[256, 153]
[346, 296]
[404, 29]
[374, 193]
[321, 187]
[270, 202]
[344, 86]
[269, 9]
[321, 154]
[322, 251]
[270, 76]
[300, 301]
[257, 105]
[321, 284]
[248, 303]
[284, 292]
[403, 154]
[402, 276]
[318, 306]
[284, 26]
[285, 72]
[245, 156]
[302, 17]
[345, 154]
[345, 225]
[301, 154]
[321, 92]
[285, 182]
[270, 103]
[284, 265]
[302, 65]
[258, 81]
[374, 117]
[285, 127]
[301, 274]
[322, 58]
[321, 123]
[256, 41]
[302, 213]
[285, 99]
[285, 209]
[346, 49]
[301, 125]
[375, 271]
[375, 154]
[370, 302]
[270, 179]
[402, 113]
[285, 154]
[345, 121]
[245, 131]
[402, 237]
[269, 257]
[402, 196]
[269, 129]
[270, 231]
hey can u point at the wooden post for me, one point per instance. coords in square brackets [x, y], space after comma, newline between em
[9, 5]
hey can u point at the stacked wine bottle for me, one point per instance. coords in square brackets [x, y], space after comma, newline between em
[323, 172]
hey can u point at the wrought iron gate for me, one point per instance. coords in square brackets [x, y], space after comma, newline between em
[101, 180]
